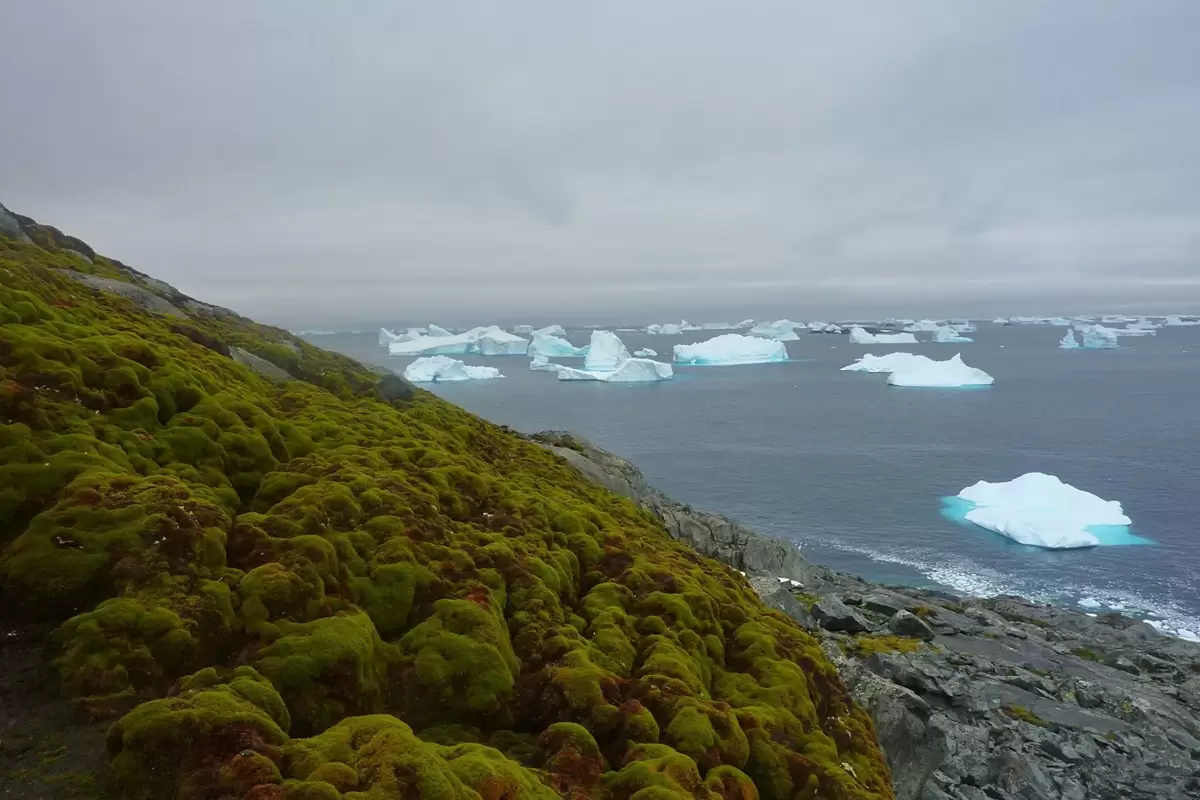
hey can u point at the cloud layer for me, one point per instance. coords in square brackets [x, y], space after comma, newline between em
[320, 164]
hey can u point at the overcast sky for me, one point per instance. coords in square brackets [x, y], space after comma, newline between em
[324, 163]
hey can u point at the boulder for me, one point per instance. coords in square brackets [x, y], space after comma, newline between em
[834, 615]
[907, 624]
[392, 387]
[139, 295]
[775, 595]
[259, 365]
[10, 226]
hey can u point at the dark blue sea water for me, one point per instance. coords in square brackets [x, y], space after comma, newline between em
[854, 471]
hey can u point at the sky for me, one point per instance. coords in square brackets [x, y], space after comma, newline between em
[318, 164]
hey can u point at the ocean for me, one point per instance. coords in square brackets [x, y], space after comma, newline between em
[854, 471]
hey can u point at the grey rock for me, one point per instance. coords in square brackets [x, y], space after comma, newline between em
[910, 625]
[77, 254]
[137, 294]
[834, 615]
[776, 596]
[392, 387]
[259, 365]
[1122, 663]
[10, 227]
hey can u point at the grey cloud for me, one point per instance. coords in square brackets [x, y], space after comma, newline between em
[317, 164]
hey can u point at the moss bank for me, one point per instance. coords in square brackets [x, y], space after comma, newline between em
[295, 589]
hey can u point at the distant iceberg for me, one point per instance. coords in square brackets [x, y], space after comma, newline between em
[540, 363]
[924, 326]
[745, 324]
[1001, 321]
[522, 330]
[1173, 321]
[645, 352]
[730, 349]
[1097, 337]
[781, 330]
[949, 374]
[490, 341]
[632, 370]
[1040, 510]
[947, 335]
[887, 363]
[1143, 324]
[439, 369]
[438, 330]
[860, 336]
[546, 345]
[606, 352]
[1069, 342]
[550, 330]
[824, 327]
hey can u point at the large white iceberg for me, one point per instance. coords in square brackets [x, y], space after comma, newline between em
[547, 345]
[1174, 321]
[781, 330]
[645, 352]
[439, 369]
[632, 370]
[860, 336]
[730, 349]
[605, 353]
[948, 335]
[1097, 337]
[1040, 510]
[490, 341]
[496, 342]
[950, 374]
[1068, 341]
[886, 363]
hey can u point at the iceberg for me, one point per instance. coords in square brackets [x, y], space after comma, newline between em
[632, 370]
[439, 369]
[948, 335]
[781, 330]
[546, 345]
[1001, 321]
[1040, 510]
[1174, 321]
[730, 349]
[495, 342]
[1097, 337]
[745, 324]
[824, 327]
[671, 329]
[550, 330]
[887, 363]
[645, 352]
[438, 330]
[860, 336]
[490, 341]
[522, 330]
[949, 374]
[605, 353]
[1069, 342]
[540, 363]
[924, 326]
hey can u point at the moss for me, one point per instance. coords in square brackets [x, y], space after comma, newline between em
[1087, 654]
[409, 562]
[865, 645]
[1025, 715]
[925, 612]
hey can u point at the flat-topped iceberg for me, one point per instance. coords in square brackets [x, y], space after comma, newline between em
[860, 336]
[781, 330]
[887, 363]
[1040, 510]
[489, 341]
[633, 370]
[824, 327]
[605, 353]
[949, 374]
[1068, 341]
[948, 335]
[546, 345]
[439, 369]
[1174, 321]
[522, 330]
[924, 326]
[730, 349]
[1097, 337]
[645, 352]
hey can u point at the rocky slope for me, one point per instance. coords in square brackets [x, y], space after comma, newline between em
[972, 698]
[236, 567]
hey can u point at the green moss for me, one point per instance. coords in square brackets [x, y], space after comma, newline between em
[864, 645]
[1025, 715]
[1087, 654]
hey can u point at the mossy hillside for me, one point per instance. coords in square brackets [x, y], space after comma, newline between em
[380, 569]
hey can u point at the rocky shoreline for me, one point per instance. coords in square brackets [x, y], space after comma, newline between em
[972, 698]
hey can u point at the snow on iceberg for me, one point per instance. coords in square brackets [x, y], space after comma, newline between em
[730, 349]
[645, 352]
[547, 345]
[948, 335]
[1040, 510]
[781, 330]
[439, 369]
[605, 353]
[949, 374]
[632, 370]
[1097, 337]
[1069, 342]
[860, 336]
[887, 363]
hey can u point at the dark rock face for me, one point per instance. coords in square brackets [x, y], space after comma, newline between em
[10, 226]
[904, 623]
[139, 295]
[974, 699]
[259, 365]
[392, 387]
[201, 338]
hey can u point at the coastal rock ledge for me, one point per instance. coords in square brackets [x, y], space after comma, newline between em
[972, 699]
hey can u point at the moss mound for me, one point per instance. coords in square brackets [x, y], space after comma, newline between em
[271, 584]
